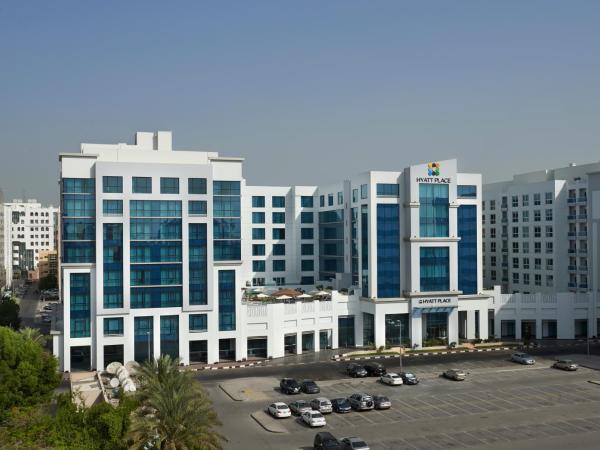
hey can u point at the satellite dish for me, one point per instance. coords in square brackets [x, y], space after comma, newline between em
[113, 367]
[132, 366]
[114, 382]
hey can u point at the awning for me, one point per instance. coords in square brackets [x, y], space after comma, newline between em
[419, 311]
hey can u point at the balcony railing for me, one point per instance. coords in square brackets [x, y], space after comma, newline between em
[572, 250]
[582, 234]
[581, 199]
[582, 217]
[573, 285]
[582, 268]
[572, 200]
[572, 216]
[583, 286]
[572, 268]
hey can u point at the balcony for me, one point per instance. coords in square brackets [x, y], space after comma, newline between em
[572, 216]
[572, 268]
[572, 200]
[582, 251]
[582, 217]
[573, 285]
[583, 286]
[582, 268]
[582, 234]
[572, 250]
[581, 199]
[572, 233]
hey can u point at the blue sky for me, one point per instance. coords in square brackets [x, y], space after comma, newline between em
[306, 91]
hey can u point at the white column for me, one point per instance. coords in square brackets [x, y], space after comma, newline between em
[453, 326]
[379, 319]
[470, 325]
[416, 330]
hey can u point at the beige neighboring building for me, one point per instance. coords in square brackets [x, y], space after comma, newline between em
[47, 264]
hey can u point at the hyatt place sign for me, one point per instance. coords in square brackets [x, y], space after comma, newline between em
[435, 302]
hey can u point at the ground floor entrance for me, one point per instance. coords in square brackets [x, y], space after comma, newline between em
[198, 352]
[113, 353]
[257, 348]
[435, 329]
[227, 349]
[80, 358]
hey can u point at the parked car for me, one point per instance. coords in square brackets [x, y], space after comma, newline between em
[341, 405]
[409, 378]
[46, 319]
[361, 402]
[565, 364]
[309, 387]
[374, 369]
[382, 402]
[354, 443]
[324, 440]
[454, 374]
[289, 386]
[356, 370]
[300, 406]
[391, 379]
[313, 418]
[279, 410]
[522, 358]
[321, 404]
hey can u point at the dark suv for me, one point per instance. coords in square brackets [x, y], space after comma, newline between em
[289, 386]
[375, 369]
[356, 370]
[324, 440]
[310, 387]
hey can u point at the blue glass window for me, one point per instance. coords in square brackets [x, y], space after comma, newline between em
[169, 336]
[466, 191]
[435, 269]
[467, 249]
[143, 338]
[141, 185]
[155, 252]
[80, 298]
[226, 206]
[278, 217]
[306, 201]
[258, 233]
[227, 229]
[278, 201]
[75, 205]
[388, 251]
[307, 280]
[155, 274]
[155, 229]
[156, 297]
[79, 252]
[198, 322]
[258, 249]
[226, 300]
[329, 199]
[433, 210]
[388, 190]
[113, 326]
[79, 230]
[198, 272]
[258, 266]
[364, 247]
[258, 217]
[278, 233]
[307, 265]
[306, 217]
[226, 188]
[155, 208]
[112, 234]
[258, 201]
[197, 207]
[307, 233]
[322, 201]
[112, 185]
[279, 265]
[278, 249]
[307, 249]
[78, 186]
[169, 185]
[227, 250]
[196, 185]
[112, 207]
[364, 190]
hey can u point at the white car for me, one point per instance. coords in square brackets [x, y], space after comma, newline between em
[322, 405]
[279, 410]
[391, 378]
[522, 358]
[313, 418]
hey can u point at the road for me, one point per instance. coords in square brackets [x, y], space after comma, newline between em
[501, 405]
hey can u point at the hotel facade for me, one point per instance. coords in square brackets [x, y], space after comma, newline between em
[167, 251]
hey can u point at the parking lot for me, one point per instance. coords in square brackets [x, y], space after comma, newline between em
[499, 404]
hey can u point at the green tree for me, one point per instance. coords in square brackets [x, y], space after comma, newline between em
[28, 374]
[9, 313]
[34, 334]
[175, 412]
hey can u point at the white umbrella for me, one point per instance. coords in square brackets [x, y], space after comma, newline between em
[283, 297]
[321, 293]
[261, 295]
[304, 296]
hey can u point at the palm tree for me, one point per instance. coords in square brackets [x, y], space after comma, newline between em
[175, 412]
[34, 335]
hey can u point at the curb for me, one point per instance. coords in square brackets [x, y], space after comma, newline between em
[277, 430]
[414, 355]
[234, 366]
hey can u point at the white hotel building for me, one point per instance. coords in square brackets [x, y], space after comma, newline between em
[162, 250]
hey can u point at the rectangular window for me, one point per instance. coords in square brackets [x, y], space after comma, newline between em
[525, 232]
[507, 329]
[278, 233]
[278, 249]
[515, 201]
[113, 326]
[112, 185]
[467, 249]
[80, 307]
[196, 185]
[226, 188]
[433, 210]
[307, 265]
[155, 208]
[198, 271]
[258, 217]
[322, 201]
[258, 266]
[141, 185]
[112, 207]
[197, 208]
[78, 186]
[354, 195]
[169, 185]
[435, 269]
[278, 201]
[279, 217]
[258, 233]
[307, 280]
[537, 200]
[549, 198]
[330, 200]
[525, 216]
[279, 265]
[340, 198]
[169, 336]
[307, 233]
[388, 251]
[258, 250]
[515, 216]
[306, 217]
[466, 191]
[388, 190]
[306, 201]
[549, 232]
[537, 215]
[226, 206]
[548, 214]
[307, 249]
[258, 201]
[226, 300]
[364, 191]
[143, 338]
[525, 200]
[198, 322]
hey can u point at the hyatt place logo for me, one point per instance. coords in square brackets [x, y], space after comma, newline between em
[433, 169]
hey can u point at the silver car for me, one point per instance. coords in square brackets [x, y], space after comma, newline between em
[300, 406]
[565, 364]
[454, 374]
[322, 405]
[361, 402]
[522, 358]
[382, 402]
[354, 443]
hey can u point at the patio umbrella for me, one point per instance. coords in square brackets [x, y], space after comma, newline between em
[261, 295]
[321, 293]
[304, 296]
[283, 297]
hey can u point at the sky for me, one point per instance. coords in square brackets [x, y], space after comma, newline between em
[309, 92]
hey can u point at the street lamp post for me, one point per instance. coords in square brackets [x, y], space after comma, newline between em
[400, 347]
